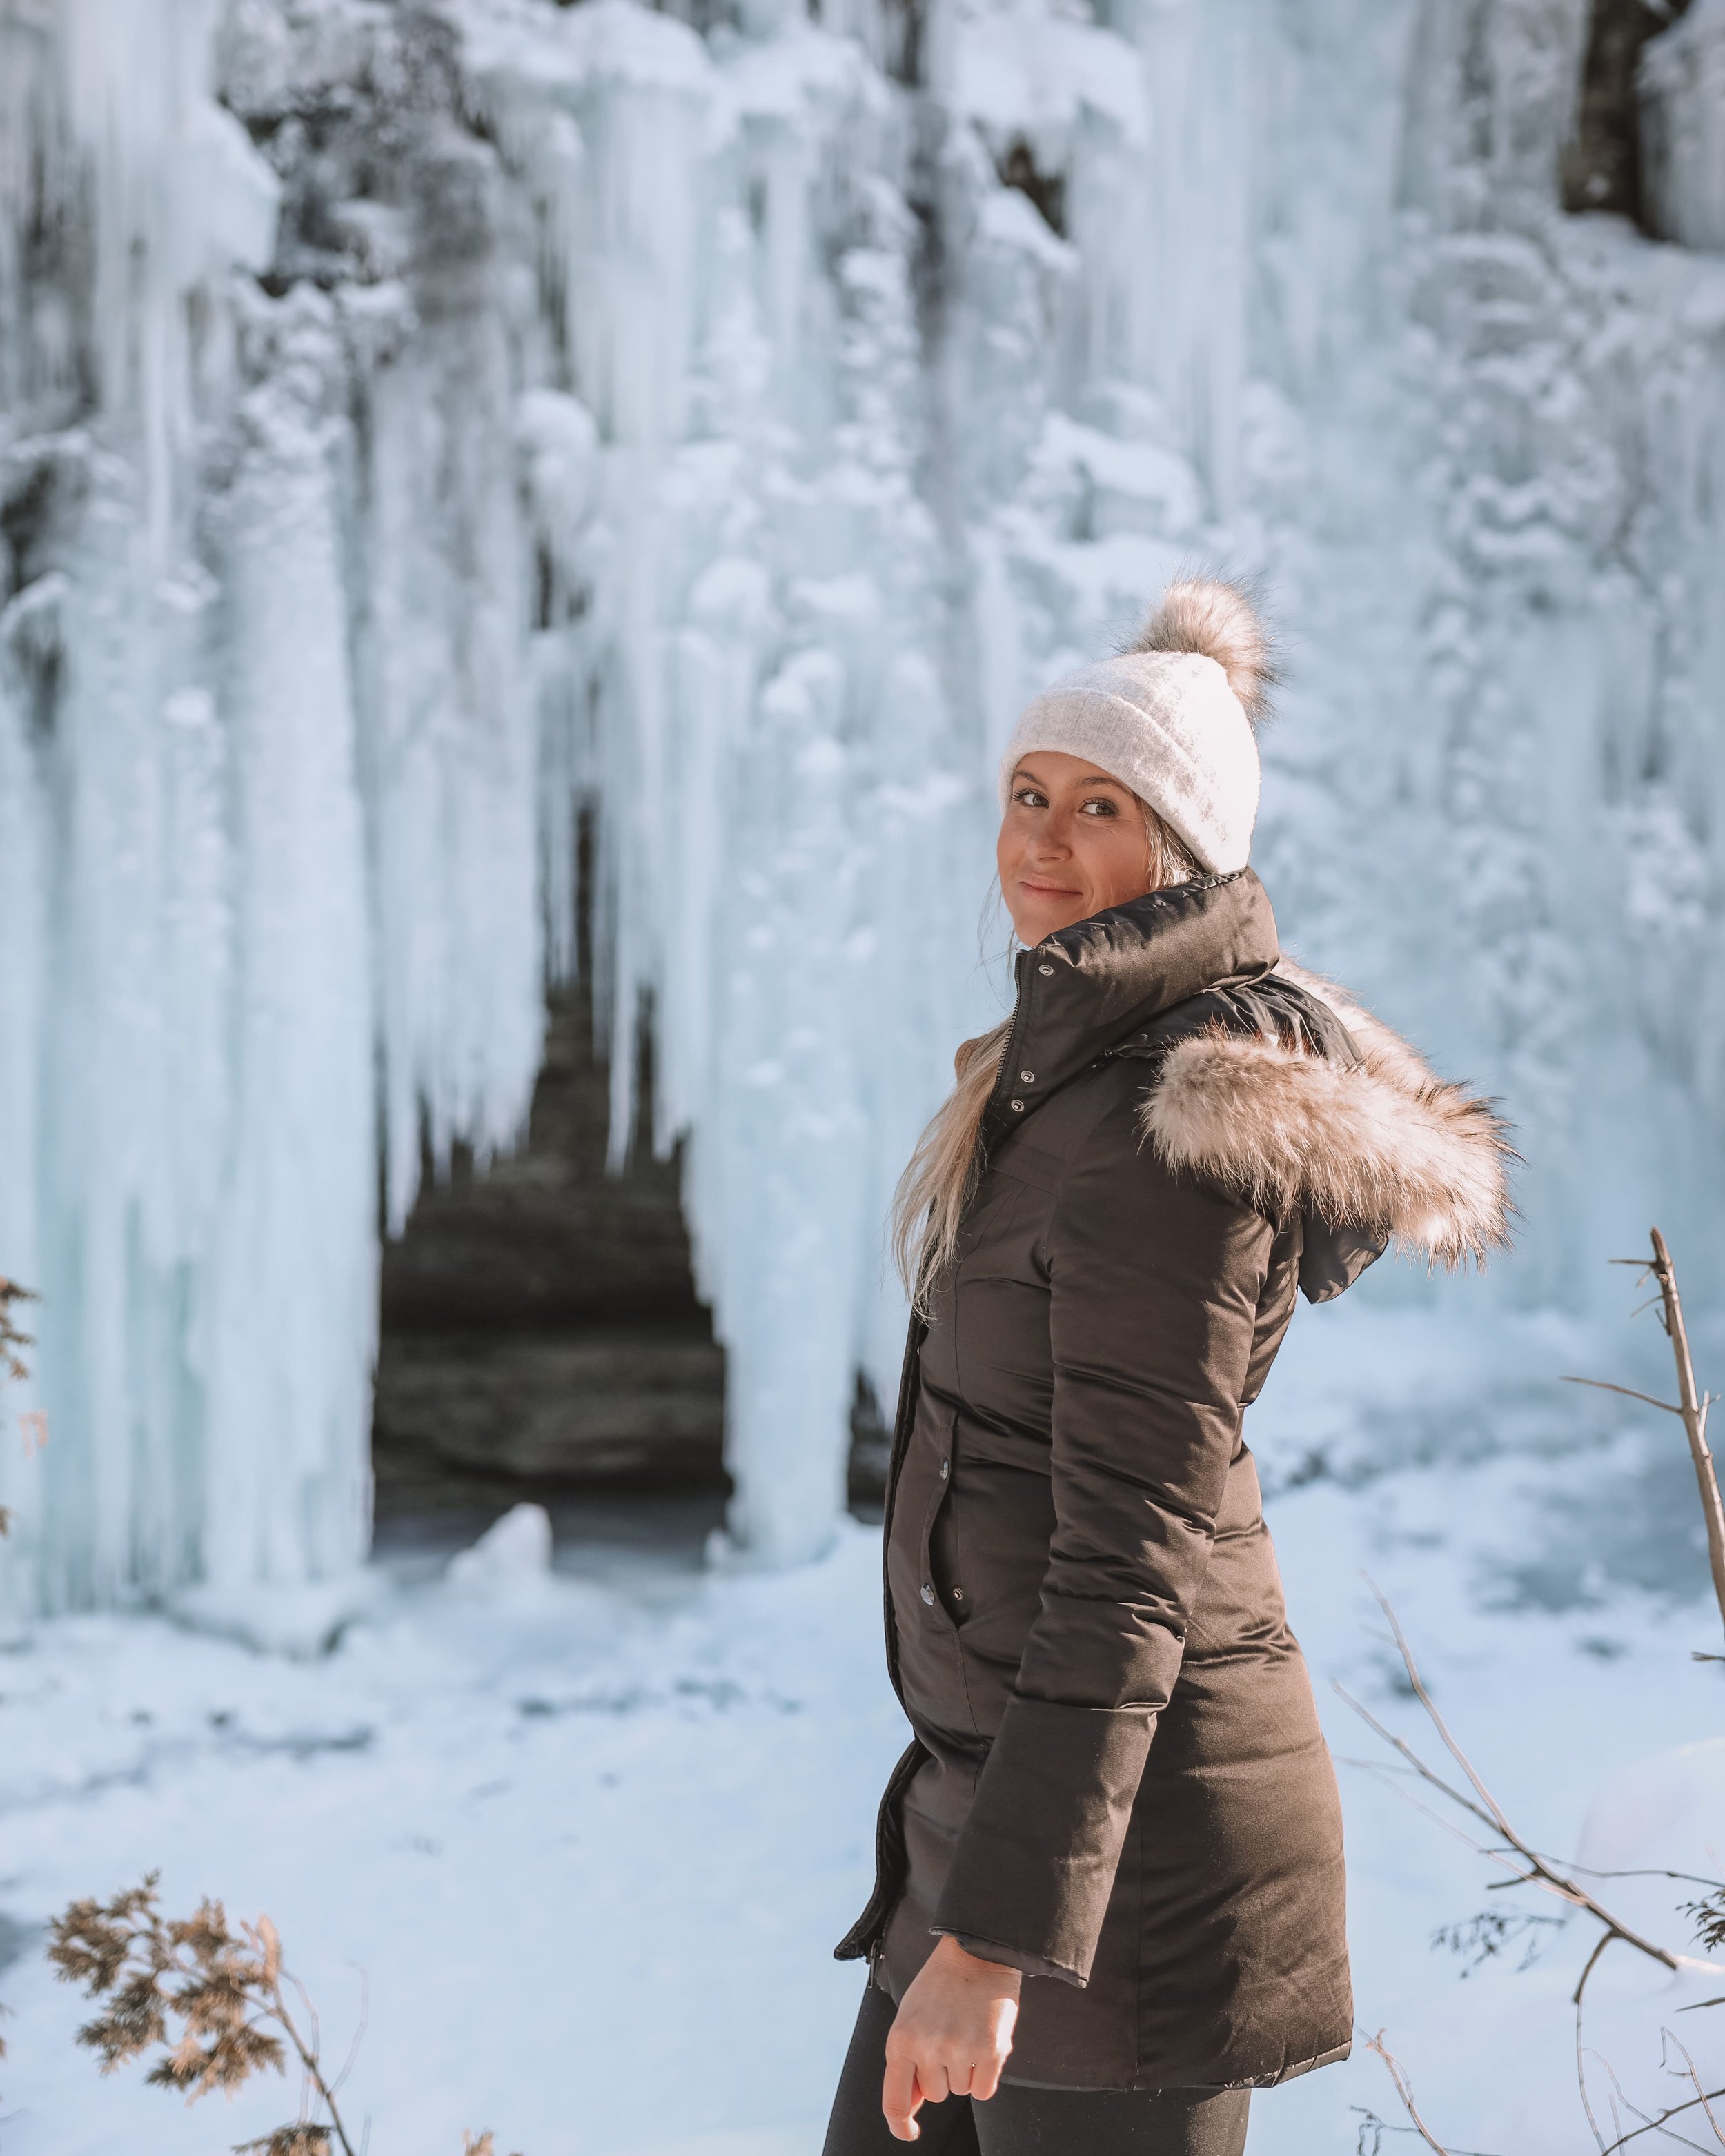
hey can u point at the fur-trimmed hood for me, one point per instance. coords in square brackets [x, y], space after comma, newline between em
[1372, 1141]
[1265, 1078]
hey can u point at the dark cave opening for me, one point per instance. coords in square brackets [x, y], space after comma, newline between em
[540, 1331]
[542, 1339]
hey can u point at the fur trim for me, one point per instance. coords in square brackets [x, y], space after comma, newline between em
[1218, 620]
[1383, 1146]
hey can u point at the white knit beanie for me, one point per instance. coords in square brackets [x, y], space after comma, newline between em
[1172, 718]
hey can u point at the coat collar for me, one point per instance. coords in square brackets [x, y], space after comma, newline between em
[1084, 988]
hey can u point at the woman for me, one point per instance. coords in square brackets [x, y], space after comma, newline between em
[1109, 1892]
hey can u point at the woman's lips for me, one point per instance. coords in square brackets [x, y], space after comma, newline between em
[1047, 889]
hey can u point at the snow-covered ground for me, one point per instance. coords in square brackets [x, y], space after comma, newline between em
[589, 1835]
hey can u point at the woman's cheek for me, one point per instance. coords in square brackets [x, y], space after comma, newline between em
[1115, 875]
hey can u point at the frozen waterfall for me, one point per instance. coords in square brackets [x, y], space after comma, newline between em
[421, 422]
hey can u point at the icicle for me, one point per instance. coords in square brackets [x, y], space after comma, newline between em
[1682, 85]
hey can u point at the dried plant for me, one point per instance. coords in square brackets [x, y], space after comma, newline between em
[1493, 1932]
[11, 1339]
[12, 1369]
[1707, 1915]
[214, 2000]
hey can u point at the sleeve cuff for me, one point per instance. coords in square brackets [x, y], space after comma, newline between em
[1035, 1862]
[1031, 1964]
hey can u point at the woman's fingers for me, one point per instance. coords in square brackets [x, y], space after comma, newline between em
[932, 2079]
[900, 2096]
[952, 2033]
[985, 2076]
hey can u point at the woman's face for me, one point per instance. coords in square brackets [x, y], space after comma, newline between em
[1073, 841]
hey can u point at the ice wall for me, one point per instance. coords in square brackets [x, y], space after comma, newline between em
[420, 422]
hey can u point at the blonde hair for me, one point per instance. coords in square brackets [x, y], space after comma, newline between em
[941, 1177]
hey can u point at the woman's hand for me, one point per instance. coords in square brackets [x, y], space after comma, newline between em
[951, 2036]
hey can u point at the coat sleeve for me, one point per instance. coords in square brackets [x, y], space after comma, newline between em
[1154, 1285]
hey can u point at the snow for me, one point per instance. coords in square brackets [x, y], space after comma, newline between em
[582, 1834]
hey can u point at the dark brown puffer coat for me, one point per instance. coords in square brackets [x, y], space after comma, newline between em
[1118, 1782]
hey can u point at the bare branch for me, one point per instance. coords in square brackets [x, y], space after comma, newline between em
[1602, 1942]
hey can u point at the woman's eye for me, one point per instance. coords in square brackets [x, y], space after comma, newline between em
[1099, 807]
[1027, 797]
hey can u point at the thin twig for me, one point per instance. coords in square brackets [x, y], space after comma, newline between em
[359, 2034]
[1694, 2082]
[1646, 1871]
[1604, 1941]
[308, 2059]
[1617, 1872]
[1649, 2123]
[1619, 2095]
[1404, 2090]
[1587, 2102]
[1658, 2123]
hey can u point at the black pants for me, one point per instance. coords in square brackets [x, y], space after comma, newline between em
[1028, 2122]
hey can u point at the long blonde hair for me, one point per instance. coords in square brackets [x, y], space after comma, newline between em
[941, 1177]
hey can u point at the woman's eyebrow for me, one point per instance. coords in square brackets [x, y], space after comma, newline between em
[1093, 778]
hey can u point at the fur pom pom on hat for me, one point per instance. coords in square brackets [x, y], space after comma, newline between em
[1170, 717]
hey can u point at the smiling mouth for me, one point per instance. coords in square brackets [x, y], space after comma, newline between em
[1048, 890]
